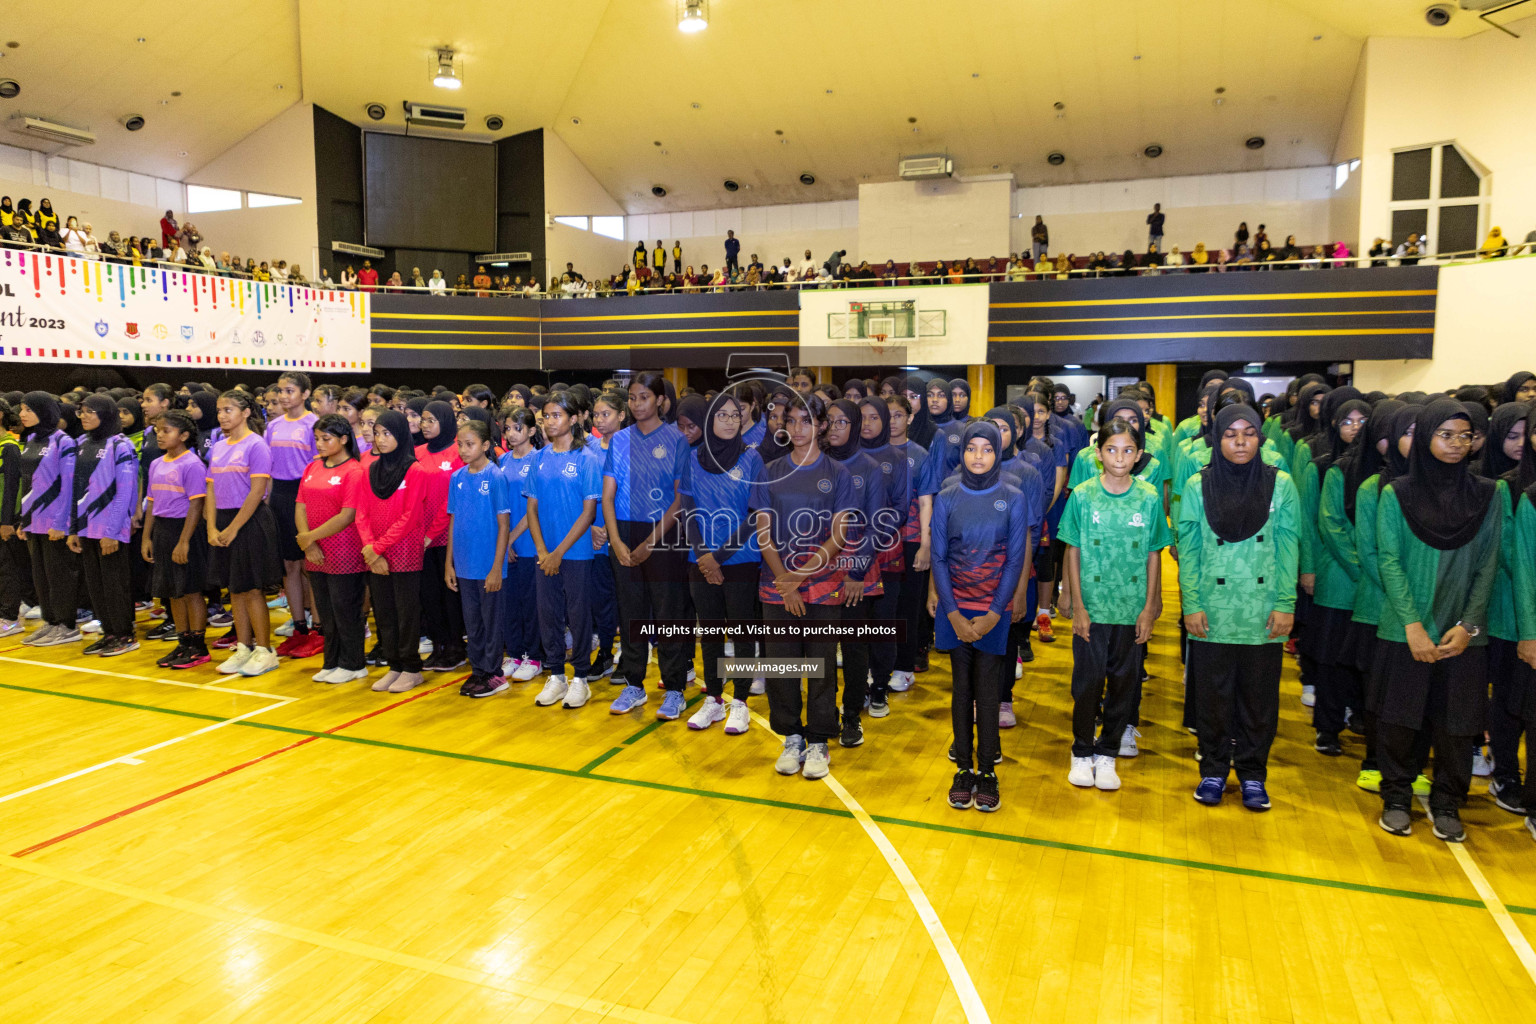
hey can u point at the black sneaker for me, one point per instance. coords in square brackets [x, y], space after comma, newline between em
[119, 645]
[445, 662]
[483, 687]
[921, 664]
[176, 653]
[987, 798]
[951, 751]
[374, 658]
[852, 734]
[962, 791]
[1507, 795]
[1447, 826]
[98, 646]
[191, 656]
[165, 631]
[1328, 744]
[474, 677]
[1026, 652]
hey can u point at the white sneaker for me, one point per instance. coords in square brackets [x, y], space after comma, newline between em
[10, 628]
[1128, 746]
[710, 712]
[1308, 696]
[1018, 669]
[692, 677]
[553, 693]
[901, 682]
[791, 757]
[839, 655]
[730, 648]
[737, 718]
[1082, 772]
[286, 629]
[261, 660]
[1104, 776]
[31, 611]
[92, 626]
[818, 761]
[759, 685]
[324, 675]
[341, 675]
[526, 671]
[423, 647]
[232, 664]
[1482, 766]
[577, 694]
[509, 667]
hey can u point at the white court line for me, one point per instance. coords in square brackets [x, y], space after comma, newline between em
[133, 757]
[959, 977]
[1490, 898]
[149, 679]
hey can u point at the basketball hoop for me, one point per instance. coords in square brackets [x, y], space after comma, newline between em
[877, 343]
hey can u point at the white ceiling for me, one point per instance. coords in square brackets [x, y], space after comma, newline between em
[839, 80]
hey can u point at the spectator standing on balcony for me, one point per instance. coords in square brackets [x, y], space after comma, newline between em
[1240, 239]
[677, 256]
[659, 257]
[1495, 245]
[834, 261]
[482, 282]
[1411, 251]
[1378, 252]
[1039, 238]
[190, 238]
[368, 278]
[808, 267]
[639, 257]
[732, 251]
[168, 228]
[1155, 228]
[1261, 238]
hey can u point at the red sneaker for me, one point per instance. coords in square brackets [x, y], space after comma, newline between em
[314, 644]
[227, 642]
[1043, 627]
[1290, 648]
[290, 647]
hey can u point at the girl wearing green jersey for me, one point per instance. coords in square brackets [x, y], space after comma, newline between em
[1510, 630]
[1114, 530]
[1237, 576]
[1437, 536]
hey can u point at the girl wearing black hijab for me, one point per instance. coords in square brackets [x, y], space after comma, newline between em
[1477, 412]
[960, 400]
[47, 471]
[922, 484]
[1390, 437]
[980, 542]
[1309, 404]
[1237, 579]
[105, 493]
[1521, 387]
[940, 404]
[202, 406]
[442, 614]
[413, 410]
[1327, 575]
[775, 443]
[1438, 542]
[1512, 627]
[392, 523]
[889, 529]
[1506, 440]
[719, 490]
[920, 426]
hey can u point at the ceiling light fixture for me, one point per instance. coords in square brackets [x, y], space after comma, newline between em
[692, 15]
[447, 75]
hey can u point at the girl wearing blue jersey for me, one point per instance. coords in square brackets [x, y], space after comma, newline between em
[519, 629]
[610, 414]
[479, 513]
[562, 489]
[980, 543]
[719, 492]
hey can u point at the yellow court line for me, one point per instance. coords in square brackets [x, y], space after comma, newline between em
[121, 758]
[1223, 316]
[453, 316]
[1154, 336]
[959, 977]
[675, 316]
[598, 1007]
[148, 679]
[1485, 892]
[1260, 297]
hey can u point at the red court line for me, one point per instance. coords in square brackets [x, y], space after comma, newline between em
[228, 771]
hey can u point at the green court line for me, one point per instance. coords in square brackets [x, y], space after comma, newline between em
[586, 769]
[586, 772]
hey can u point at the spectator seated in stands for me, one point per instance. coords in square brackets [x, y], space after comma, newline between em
[1495, 245]
[436, 286]
[1200, 259]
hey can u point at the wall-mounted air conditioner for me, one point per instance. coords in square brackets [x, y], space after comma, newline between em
[353, 249]
[53, 131]
[916, 168]
[434, 116]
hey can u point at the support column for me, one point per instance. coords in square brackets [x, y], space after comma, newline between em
[1165, 378]
[678, 375]
[983, 381]
[823, 375]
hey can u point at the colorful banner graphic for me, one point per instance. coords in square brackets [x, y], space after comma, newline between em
[61, 308]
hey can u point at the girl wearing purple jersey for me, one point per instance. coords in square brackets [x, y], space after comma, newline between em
[106, 490]
[47, 469]
[980, 544]
[173, 545]
[241, 532]
[291, 438]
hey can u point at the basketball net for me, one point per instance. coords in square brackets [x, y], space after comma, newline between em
[877, 343]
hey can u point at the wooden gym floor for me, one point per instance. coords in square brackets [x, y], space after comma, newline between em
[193, 847]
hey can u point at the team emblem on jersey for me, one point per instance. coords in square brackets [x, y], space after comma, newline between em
[885, 467]
[911, 462]
[824, 485]
[858, 482]
[1095, 517]
[1136, 519]
[735, 473]
[954, 438]
[334, 481]
[485, 487]
[569, 469]
[660, 451]
[1000, 505]
[445, 465]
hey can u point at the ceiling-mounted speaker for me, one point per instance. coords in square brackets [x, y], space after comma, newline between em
[1254, 142]
[494, 122]
[133, 122]
[1153, 151]
[658, 191]
[1439, 15]
[807, 178]
[375, 111]
[1056, 159]
[730, 184]
[9, 88]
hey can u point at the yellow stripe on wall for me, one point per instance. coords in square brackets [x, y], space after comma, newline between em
[658, 344]
[671, 330]
[1169, 300]
[1212, 334]
[1224, 316]
[451, 316]
[675, 316]
[425, 330]
[468, 348]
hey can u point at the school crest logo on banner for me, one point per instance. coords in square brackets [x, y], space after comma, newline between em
[101, 328]
[186, 332]
[161, 332]
[131, 332]
[258, 339]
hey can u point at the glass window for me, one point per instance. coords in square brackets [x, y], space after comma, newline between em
[1407, 222]
[609, 227]
[202, 199]
[1410, 175]
[1457, 227]
[1457, 178]
[255, 199]
[573, 222]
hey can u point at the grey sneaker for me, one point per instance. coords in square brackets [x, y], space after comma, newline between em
[818, 761]
[1397, 821]
[60, 635]
[39, 637]
[791, 757]
[1448, 826]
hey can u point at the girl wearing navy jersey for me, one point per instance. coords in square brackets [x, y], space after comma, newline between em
[960, 400]
[914, 555]
[479, 511]
[718, 490]
[519, 627]
[47, 475]
[1056, 478]
[562, 489]
[174, 545]
[803, 522]
[291, 437]
[442, 613]
[887, 529]
[640, 476]
[241, 531]
[980, 541]
[105, 492]
[392, 521]
[920, 425]
[325, 515]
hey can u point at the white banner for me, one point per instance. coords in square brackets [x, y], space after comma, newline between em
[59, 308]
